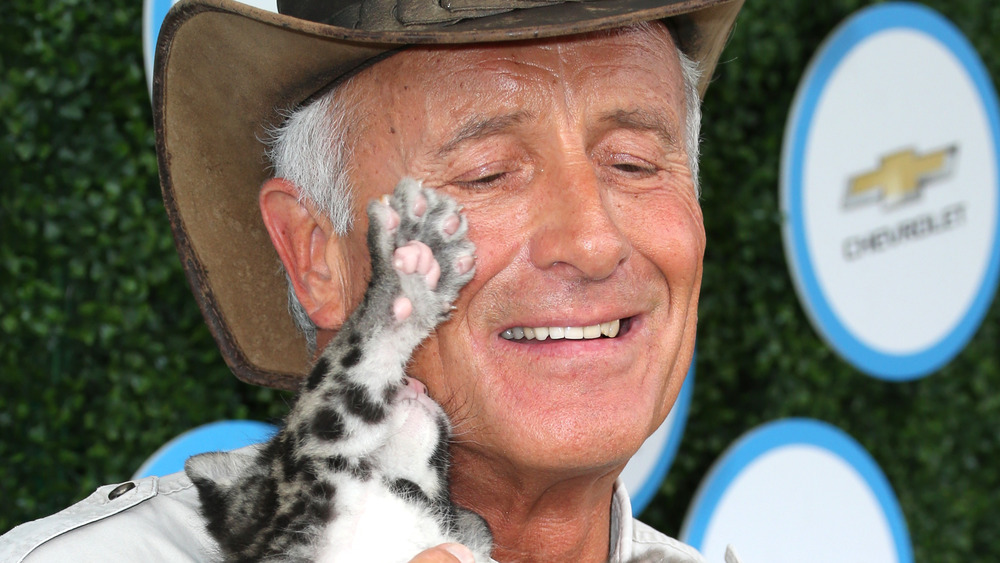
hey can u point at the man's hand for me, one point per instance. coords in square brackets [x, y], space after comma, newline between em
[445, 553]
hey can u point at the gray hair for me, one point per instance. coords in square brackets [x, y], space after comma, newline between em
[311, 150]
[692, 111]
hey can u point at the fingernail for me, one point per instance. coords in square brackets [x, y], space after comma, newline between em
[461, 552]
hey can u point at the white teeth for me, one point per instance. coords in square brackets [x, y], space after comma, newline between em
[609, 329]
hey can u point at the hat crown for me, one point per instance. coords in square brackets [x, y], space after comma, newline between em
[377, 15]
[321, 11]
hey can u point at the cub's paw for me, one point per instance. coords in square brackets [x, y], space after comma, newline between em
[420, 236]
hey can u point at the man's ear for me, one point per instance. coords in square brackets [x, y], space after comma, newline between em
[310, 250]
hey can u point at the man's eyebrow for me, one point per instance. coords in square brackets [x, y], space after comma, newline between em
[479, 127]
[645, 120]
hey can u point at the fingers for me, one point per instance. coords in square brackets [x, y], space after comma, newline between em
[445, 553]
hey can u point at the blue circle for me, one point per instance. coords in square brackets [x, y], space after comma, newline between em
[861, 26]
[789, 432]
[219, 436]
[154, 11]
[642, 497]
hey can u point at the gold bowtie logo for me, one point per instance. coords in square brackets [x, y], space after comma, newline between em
[899, 177]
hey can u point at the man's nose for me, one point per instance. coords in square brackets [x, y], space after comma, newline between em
[575, 230]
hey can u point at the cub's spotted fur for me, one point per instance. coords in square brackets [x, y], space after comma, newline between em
[359, 470]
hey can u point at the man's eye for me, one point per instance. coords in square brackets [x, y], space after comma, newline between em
[489, 179]
[482, 182]
[634, 169]
[631, 168]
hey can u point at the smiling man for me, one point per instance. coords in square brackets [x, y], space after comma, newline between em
[568, 132]
[581, 202]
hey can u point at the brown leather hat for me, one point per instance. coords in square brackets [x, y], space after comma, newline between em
[222, 71]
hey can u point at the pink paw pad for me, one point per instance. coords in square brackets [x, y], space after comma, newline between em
[402, 307]
[451, 225]
[420, 206]
[416, 257]
[465, 263]
[392, 218]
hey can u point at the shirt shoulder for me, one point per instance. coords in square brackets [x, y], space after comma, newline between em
[646, 540]
[635, 542]
[150, 520]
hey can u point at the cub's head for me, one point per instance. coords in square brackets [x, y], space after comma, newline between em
[417, 445]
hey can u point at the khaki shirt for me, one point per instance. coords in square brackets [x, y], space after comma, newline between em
[156, 519]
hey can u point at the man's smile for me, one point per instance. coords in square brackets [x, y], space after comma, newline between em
[608, 329]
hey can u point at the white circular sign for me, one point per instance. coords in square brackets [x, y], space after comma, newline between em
[890, 191]
[797, 490]
[647, 468]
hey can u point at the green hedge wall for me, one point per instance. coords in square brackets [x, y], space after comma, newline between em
[103, 355]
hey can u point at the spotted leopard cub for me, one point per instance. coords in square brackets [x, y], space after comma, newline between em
[359, 470]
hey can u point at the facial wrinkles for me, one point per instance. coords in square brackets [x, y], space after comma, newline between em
[552, 67]
[585, 97]
[536, 79]
[686, 212]
[534, 82]
[563, 303]
[449, 121]
[657, 106]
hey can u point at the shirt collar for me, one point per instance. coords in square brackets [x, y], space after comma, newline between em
[621, 524]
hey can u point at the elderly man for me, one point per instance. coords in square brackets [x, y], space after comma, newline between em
[568, 132]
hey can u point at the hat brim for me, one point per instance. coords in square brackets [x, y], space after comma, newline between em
[223, 73]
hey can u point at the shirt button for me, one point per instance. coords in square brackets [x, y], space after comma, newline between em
[121, 490]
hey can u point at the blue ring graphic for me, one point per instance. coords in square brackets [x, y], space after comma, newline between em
[789, 432]
[220, 436]
[154, 12]
[649, 488]
[858, 28]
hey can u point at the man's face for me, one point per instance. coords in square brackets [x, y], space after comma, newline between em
[569, 159]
